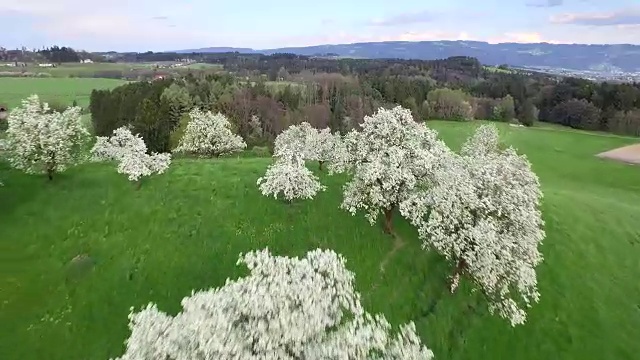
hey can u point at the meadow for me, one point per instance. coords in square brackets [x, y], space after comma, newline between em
[184, 230]
[53, 90]
[77, 69]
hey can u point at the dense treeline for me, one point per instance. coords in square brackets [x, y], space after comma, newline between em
[56, 54]
[284, 89]
[157, 110]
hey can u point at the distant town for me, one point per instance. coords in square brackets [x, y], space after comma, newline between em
[594, 75]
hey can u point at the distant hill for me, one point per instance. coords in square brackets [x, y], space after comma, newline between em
[610, 58]
[217, 50]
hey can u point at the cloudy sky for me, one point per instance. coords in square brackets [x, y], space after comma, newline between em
[140, 25]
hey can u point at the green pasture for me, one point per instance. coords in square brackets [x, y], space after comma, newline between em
[184, 230]
[58, 90]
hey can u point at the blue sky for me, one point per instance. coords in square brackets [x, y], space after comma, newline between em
[172, 24]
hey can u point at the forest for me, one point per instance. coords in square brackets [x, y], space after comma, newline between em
[285, 89]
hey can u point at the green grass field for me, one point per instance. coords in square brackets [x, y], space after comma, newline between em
[60, 90]
[78, 70]
[184, 230]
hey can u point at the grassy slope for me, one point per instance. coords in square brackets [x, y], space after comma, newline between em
[63, 90]
[184, 230]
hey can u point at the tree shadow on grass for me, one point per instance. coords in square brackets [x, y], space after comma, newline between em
[18, 188]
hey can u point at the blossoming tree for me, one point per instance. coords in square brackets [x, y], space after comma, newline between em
[42, 141]
[294, 139]
[130, 152]
[208, 134]
[289, 176]
[320, 146]
[482, 213]
[286, 308]
[388, 158]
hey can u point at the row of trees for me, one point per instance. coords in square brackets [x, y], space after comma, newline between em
[158, 110]
[479, 208]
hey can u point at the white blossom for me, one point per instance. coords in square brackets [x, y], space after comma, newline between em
[289, 176]
[320, 145]
[481, 211]
[343, 157]
[286, 308]
[294, 139]
[308, 142]
[42, 141]
[130, 152]
[388, 157]
[208, 134]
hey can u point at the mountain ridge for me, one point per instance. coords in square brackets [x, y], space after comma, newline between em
[601, 57]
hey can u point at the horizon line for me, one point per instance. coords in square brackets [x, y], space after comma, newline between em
[346, 44]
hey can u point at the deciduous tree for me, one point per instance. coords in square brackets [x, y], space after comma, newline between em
[289, 176]
[42, 141]
[481, 211]
[388, 158]
[130, 152]
[209, 134]
[286, 308]
[320, 145]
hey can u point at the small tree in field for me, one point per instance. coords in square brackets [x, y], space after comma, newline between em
[482, 213]
[289, 176]
[209, 135]
[286, 308]
[388, 158]
[130, 152]
[39, 140]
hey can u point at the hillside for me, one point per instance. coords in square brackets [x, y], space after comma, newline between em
[184, 230]
[618, 57]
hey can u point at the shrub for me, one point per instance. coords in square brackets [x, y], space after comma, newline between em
[504, 109]
[578, 114]
[529, 113]
[449, 104]
[261, 151]
[130, 152]
[625, 122]
[178, 131]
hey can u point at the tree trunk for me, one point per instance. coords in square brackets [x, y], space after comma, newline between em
[138, 184]
[388, 216]
[51, 165]
[320, 165]
[455, 278]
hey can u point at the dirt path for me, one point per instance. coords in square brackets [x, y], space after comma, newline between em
[398, 244]
[627, 154]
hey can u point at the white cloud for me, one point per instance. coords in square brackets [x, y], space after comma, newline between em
[115, 24]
